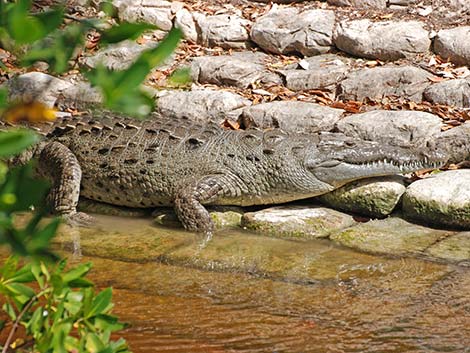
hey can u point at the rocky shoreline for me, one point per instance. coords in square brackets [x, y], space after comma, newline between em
[396, 77]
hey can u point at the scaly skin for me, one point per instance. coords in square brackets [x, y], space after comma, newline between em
[163, 162]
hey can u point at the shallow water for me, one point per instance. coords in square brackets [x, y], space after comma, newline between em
[247, 293]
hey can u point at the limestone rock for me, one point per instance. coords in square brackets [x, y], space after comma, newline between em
[393, 236]
[455, 143]
[453, 248]
[38, 86]
[291, 116]
[453, 92]
[200, 105]
[395, 127]
[226, 31]
[291, 30]
[317, 72]
[382, 40]
[453, 44]
[240, 69]
[296, 221]
[184, 20]
[372, 197]
[375, 4]
[117, 56]
[442, 200]
[157, 12]
[376, 83]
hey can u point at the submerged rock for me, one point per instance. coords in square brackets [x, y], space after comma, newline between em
[453, 248]
[299, 222]
[392, 236]
[443, 199]
[373, 197]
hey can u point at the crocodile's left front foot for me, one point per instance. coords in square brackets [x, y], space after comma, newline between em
[78, 219]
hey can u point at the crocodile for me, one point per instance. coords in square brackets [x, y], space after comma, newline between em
[186, 164]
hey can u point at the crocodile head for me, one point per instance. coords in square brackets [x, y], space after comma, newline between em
[337, 160]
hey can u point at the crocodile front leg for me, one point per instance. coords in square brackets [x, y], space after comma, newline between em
[188, 204]
[59, 165]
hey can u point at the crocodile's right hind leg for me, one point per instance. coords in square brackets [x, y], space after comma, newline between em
[60, 166]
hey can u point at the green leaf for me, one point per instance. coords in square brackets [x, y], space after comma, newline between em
[42, 237]
[180, 77]
[93, 343]
[50, 20]
[3, 98]
[156, 56]
[15, 141]
[60, 333]
[9, 267]
[10, 310]
[56, 49]
[101, 303]
[76, 273]
[125, 31]
[23, 275]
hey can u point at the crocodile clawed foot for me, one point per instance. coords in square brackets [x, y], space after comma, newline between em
[78, 219]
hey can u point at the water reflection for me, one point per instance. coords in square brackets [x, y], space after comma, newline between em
[244, 293]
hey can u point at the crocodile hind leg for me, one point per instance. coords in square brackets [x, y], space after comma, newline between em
[188, 204]
[60, 166]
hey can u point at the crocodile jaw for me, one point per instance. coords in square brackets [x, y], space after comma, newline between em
[339, 173]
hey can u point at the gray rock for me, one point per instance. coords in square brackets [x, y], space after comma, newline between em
[454, 248]
[442, 200]
[375, 4]
[157, 12]
[291, 116]
[117, 56]
[395, 127]
[201, 105]
[82, 94]
[226, 31]
[291, 30]
[240, 69]
[317, 72]
[37, 86]
[393, 236]
[378, 82]
[455, 143]
[453, 92]
[382, 40]
[185, 21]
[296, 221]
[453, 44]
[373, 197]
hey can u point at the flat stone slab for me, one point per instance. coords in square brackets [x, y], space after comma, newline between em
[372, 197]
[453, 248]
[378, 82]
[453, 92]
[386, 40]
[201, 105]
[290, 30]
[240, 69]
[291, 116]
[226, 31]
[453, 44]
[394, 127]
[299, 222]
[392, 236]
[374, 4]
[317, 72]
[442, 200]
[38, 86]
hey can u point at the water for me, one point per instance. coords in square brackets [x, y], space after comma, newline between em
[247, 293]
